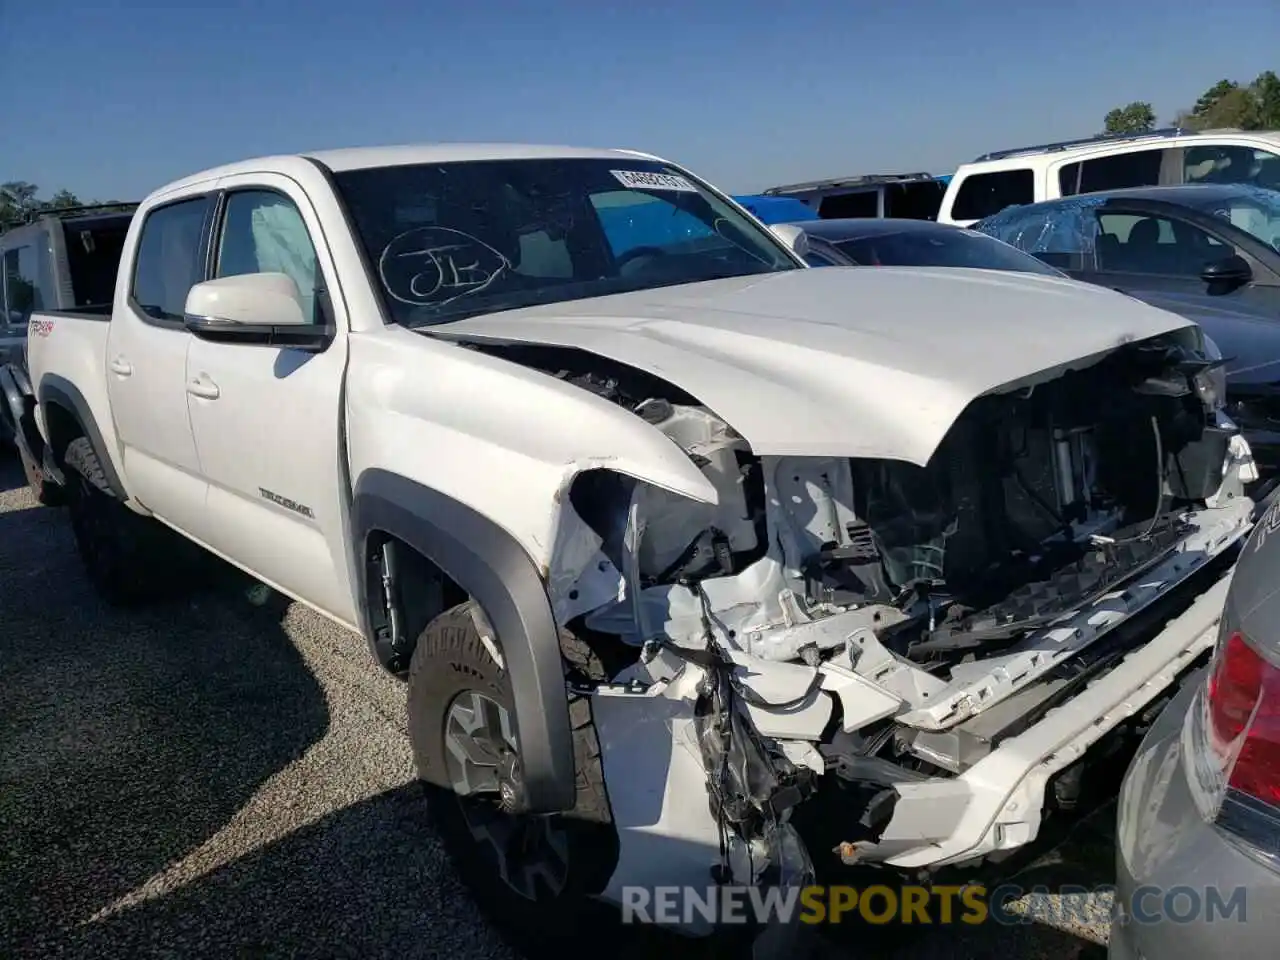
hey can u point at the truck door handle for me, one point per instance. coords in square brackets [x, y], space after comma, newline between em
[202, 387]
[121, 366]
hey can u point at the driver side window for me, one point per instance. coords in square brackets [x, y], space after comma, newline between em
[632, 220]
[1136, 243]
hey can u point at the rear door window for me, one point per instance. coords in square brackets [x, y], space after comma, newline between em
[169, 260]
[984, 194]
[1137, 168]
[1231, 164]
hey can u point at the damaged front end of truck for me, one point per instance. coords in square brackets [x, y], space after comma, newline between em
[865, 659]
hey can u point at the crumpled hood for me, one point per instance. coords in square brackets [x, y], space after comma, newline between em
[842, 361]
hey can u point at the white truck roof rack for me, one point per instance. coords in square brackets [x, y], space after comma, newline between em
[1161, 134]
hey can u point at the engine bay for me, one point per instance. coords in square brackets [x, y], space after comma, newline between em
[1035, 501]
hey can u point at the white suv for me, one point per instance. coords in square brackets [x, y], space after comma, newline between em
[1007, 178]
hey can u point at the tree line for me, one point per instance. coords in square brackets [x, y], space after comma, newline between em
[20, 201]
[1226, 104]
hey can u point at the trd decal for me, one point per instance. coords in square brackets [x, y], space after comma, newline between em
[288, 504]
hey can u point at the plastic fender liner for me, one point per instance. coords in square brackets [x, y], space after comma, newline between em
[488, 563]
[57, 391]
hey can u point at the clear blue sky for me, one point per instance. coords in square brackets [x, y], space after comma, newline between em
[112, 99]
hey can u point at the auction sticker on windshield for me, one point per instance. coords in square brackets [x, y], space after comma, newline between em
[644, 180]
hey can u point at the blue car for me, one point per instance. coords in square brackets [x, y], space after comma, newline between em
[771, 210]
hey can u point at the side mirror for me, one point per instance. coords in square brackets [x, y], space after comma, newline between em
[1228, 273]
[795, 239]
[263, 309]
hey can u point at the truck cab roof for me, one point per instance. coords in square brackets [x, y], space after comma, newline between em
[359, 158]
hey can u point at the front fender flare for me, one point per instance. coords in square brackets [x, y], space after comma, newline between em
[492, 567]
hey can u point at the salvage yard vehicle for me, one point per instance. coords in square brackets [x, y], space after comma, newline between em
[893, 242]
[62, 259]
[698, 562]
[913, 196]
[1007, 178]
[1199, 810]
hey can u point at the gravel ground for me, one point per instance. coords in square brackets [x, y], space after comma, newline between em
[212, 777]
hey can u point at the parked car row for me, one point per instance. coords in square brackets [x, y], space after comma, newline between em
[1048, 171]
[696, 561]
[1210, 253]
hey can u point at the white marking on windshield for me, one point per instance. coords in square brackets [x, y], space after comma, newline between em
[433, 266]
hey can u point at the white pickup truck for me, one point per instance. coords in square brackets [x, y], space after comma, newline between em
[697, 562]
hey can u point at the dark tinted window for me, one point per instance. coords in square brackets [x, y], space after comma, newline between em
[914, 201]
[840, 206]
[169, 262]
[983, 194]
[1232, 164]
[94, 248]
[21, 285]
[1133, 243]
[941, 248]
[1139, 168]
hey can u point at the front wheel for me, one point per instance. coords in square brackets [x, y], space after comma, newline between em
[534, 876]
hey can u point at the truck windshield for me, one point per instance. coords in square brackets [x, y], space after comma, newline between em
[451, 240]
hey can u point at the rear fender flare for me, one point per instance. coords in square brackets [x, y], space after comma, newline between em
[498, 574]
[55, 391]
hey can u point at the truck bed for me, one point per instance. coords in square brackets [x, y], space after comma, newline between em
[74, 344]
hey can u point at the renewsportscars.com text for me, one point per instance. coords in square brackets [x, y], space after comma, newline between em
[882, 904]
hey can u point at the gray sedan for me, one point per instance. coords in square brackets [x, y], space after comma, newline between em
[1198, 858]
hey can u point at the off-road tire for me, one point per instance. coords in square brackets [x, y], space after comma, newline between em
[46, 492]
[124, 554]
[451, 658]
